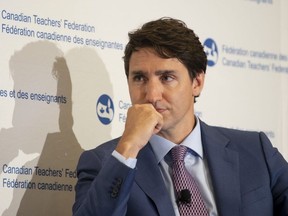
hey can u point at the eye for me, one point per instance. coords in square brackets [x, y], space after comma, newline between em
[167, 78]
[138, 78]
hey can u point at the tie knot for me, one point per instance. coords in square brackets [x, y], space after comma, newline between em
[178, 153]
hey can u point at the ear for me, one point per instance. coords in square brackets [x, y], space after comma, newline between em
[198, 83]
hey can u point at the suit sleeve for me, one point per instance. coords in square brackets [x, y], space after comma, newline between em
[278, 169]
[103, 186]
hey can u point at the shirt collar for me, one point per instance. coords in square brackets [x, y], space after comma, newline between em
[193, 141]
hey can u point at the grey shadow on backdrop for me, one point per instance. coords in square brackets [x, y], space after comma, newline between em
[47, 129]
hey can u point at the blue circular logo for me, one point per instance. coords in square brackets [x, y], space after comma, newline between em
[211, 50]
[105, 109]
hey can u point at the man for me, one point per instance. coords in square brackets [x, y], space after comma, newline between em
[237, 173]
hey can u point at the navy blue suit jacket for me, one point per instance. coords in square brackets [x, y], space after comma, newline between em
[249, 178]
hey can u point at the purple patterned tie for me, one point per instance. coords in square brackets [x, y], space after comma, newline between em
[188, 197]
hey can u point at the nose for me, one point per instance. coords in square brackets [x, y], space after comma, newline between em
[153, 91]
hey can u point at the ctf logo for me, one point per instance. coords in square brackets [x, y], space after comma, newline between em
[105, 109]
[211, 50]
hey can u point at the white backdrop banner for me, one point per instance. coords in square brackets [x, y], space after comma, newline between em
[63, 87]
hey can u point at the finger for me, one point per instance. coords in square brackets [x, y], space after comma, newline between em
[159, 125]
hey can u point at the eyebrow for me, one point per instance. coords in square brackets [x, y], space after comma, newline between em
[158, 73]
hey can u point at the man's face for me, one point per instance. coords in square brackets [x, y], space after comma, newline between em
[166, 84]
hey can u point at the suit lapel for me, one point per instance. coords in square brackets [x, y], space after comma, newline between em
[149, 178]
[224, 170]
[223, 167]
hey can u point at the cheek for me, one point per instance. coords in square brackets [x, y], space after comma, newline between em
[135, 96]
[180, 99]
[183, 92]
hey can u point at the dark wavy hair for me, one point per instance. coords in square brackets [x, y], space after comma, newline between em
[170, 38]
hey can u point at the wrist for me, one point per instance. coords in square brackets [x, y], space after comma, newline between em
[127, 150]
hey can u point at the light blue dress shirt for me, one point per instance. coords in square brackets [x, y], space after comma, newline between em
[194, 163]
